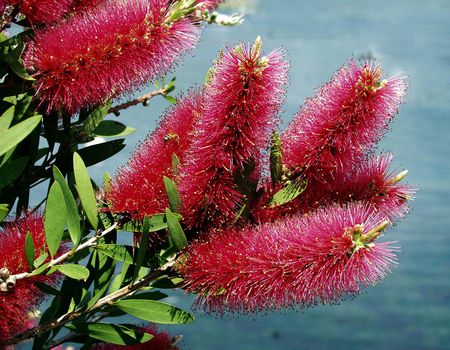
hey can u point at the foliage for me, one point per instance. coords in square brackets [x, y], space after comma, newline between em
[198, 199]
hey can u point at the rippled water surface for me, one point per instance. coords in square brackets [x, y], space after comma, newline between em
[411, 308]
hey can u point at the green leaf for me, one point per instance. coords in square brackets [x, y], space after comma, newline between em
[143, 244]
[22, 106]
[55, 218]
[167, 283]
[40, 260]
[117, 252]
[85, 190]
[13, 136]
[98, 153]
[46, 288]
[118, 280]
[17, 67]
[170, 99]
[7, 118]
[156, 295]
[12, 170]
[175, 165]
[172, 194]
[4, 210]
[110, 333]
[95, 118]
[289, 192]
[176, 234]
[77, 272]
[39, 270]
[72, 216]
[157, 222]
[154, 311]
[112, 128]
[106, 179]
[29, 250]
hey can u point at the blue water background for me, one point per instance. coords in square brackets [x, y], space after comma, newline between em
[411, 308]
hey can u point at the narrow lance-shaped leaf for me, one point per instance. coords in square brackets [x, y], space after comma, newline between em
[117, 252]
[6, 119]
[289, 192]
[110, 333]
[72, 216]
[13, 136]
[143, 244]
[112, 128]
[96, 117]
[172, 194]
[55, 218]
[176, 233]
[85, 190]
[29, 250]
[154, 311]
[74, 271]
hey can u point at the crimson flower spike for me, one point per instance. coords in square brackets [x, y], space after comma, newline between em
[116, 48]
[241, 101]
[343, 121]
[42, 11]
[17, 300]
[138, 187]
[370, 181]
[302, 260]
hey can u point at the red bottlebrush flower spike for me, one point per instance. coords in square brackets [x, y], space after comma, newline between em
[241, 102]
[160, 341]
[344, 120]
[301, 260]
[18, 302]
[138, 188]
[116, 48]
[43, 11]
[371, 182]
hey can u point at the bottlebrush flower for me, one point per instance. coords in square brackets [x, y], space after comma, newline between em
[43, 11]
[107, 51]
[241, 102]
[16, 303]
[370, 181]
[301, 260]
[138, 187]
[345, 119]
[160, 341]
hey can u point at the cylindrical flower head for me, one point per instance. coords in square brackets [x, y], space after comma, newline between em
[43, 11]
[138, 187]
[371, 181]
[16, 303]
[302, 260]
[108, 51]
[241, 102]
[344, 120]
[160, 341]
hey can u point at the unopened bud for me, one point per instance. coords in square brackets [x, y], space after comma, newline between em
[11, 282]
[4, 273]
[375, 232]
[399, 177]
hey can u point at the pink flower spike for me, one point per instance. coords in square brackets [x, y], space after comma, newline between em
[375, 183]
[19, 301]
[209, 5]
[43, 11]
[138, 187]
[116, 48]
[302, 260]
[344, 120]
[241, 102]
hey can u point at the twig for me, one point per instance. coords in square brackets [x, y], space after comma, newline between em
[89, 243]
[107, 300]
[143, 99]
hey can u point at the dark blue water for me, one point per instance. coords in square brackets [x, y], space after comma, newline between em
[411, 308]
